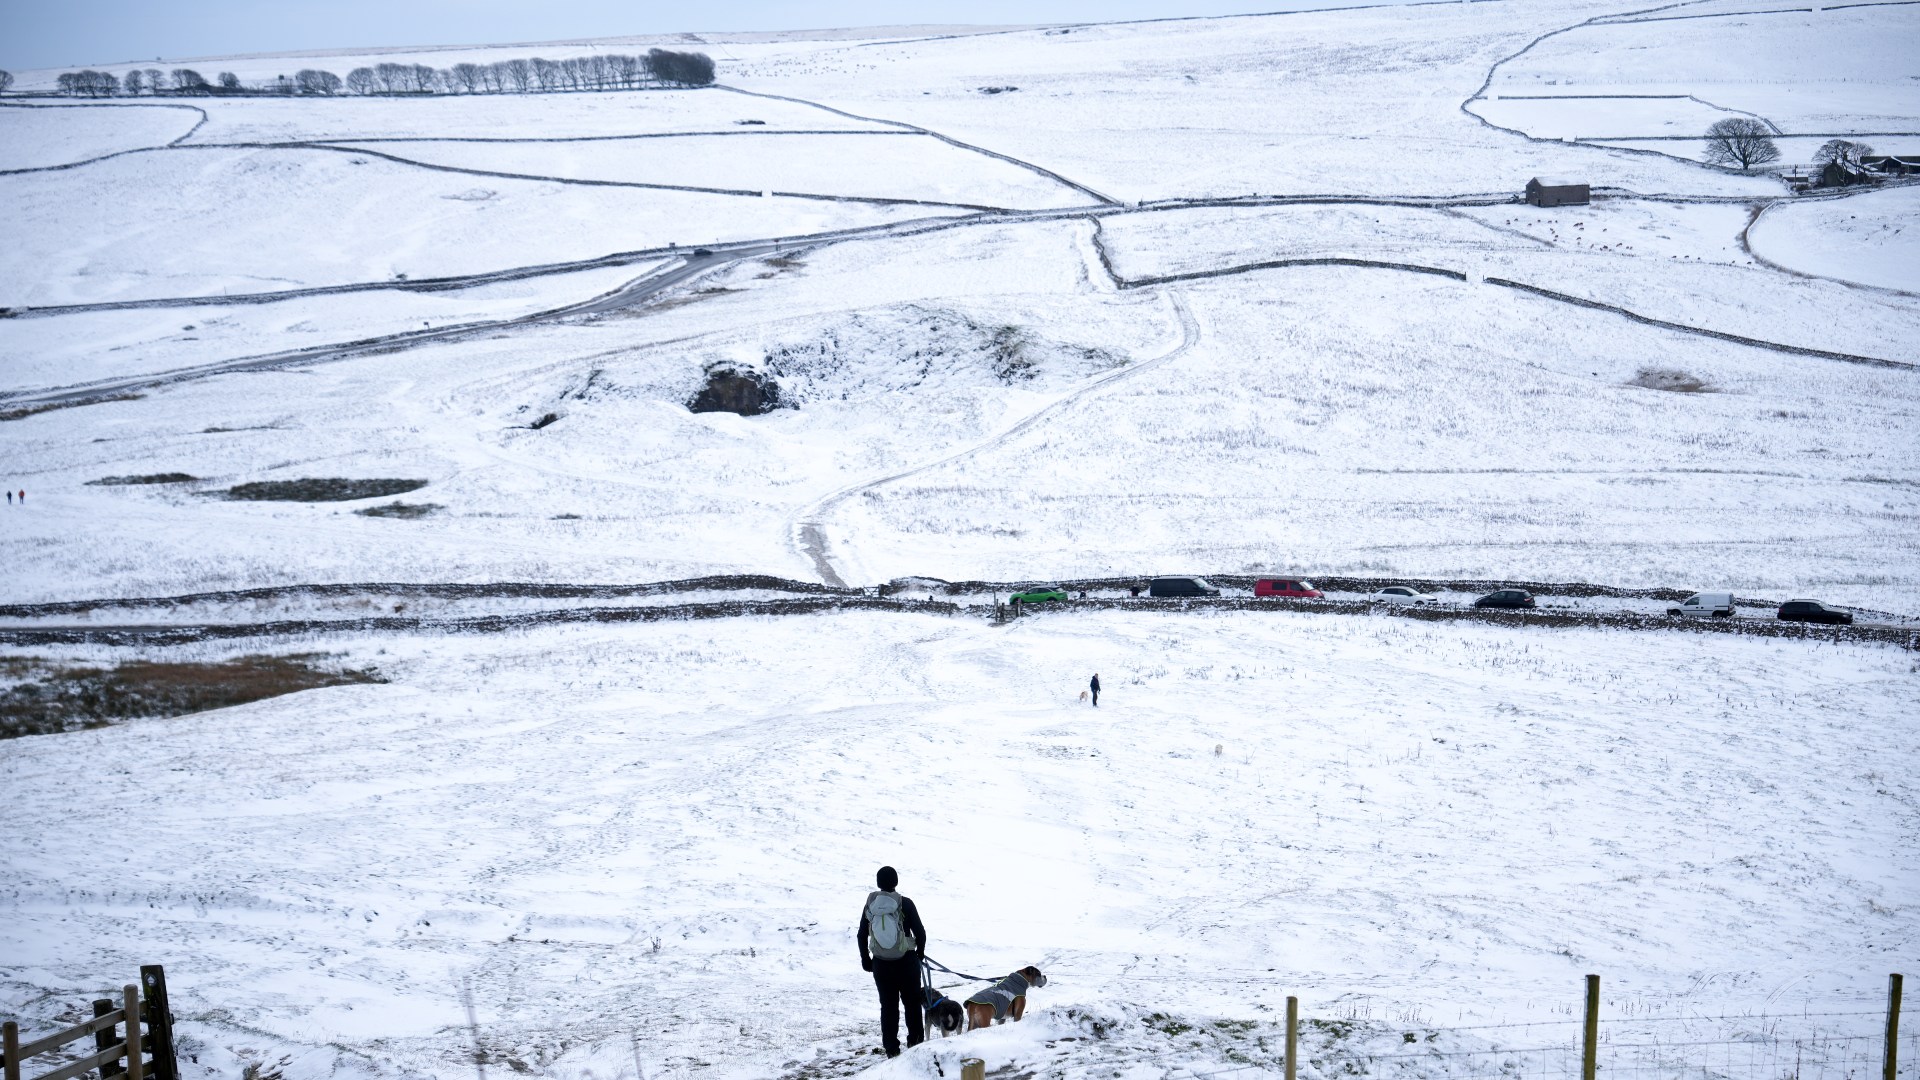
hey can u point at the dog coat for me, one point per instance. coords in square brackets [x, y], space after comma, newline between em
[1001, 994]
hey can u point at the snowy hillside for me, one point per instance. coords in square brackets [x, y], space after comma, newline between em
[1239, 296]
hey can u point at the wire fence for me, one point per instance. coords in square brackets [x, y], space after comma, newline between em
[1805, 1045]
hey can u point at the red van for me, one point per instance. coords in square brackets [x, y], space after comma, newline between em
[1291, 588]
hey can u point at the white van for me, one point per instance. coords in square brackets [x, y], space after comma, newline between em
[1718, 604]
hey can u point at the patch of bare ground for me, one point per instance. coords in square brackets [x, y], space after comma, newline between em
[409, 511]
[1670, 380]
[149, 478]
[331, 489]
[24, 411]
[39, 697]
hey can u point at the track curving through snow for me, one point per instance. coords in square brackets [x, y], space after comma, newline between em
[807, 529]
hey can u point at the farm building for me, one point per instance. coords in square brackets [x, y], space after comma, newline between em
[1542, 191]
[1892, 165]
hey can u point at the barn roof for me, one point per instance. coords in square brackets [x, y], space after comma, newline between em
[1556, 181]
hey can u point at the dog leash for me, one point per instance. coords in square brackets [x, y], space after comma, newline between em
[931, 962]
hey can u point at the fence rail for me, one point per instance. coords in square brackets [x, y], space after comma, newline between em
[136, 1055]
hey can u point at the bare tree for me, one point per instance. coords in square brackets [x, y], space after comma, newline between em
[314, 81]
[362, 81]
[519, 75]
[133, 82]
[229, 81]
[390, 77]
[156, 80]
[686, 69]
[88, 83]
[1842, 152]
[189, 81]
[465, 77]
[546, 73]
[6, 81]
[423, 79]
[1741, 141]
[494, 78]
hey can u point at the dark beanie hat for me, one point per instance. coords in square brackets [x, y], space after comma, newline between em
[886, 878]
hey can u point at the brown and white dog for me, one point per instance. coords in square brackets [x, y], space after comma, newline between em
[1008, 997]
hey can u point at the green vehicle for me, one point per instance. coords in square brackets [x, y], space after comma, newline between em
[1041, 595]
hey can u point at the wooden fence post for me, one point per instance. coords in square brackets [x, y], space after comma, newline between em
[130, 995]
[1293, 1032]
[1590, 1054]
[10, 1045]
[153, 979]
[1893, 1026]
[104, 1039]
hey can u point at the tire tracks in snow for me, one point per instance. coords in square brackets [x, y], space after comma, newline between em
[807, 529]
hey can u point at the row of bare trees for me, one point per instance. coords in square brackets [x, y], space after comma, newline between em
[600, 71]
[90, 83]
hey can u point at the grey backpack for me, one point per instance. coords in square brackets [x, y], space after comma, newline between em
[887, 933]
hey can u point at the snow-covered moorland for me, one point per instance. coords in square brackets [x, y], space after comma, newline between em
[1256, 295]
[665, 832]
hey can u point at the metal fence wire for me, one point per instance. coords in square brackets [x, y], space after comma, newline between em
[1840, 1044]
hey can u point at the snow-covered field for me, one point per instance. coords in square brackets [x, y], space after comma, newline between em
[662, 834]
[643, 846]
[1838, 71]
[886, 165]
[551, 116]
[92, 346]
[1871, 240]
[38, 138]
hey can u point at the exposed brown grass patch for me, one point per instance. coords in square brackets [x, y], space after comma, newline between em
[149, 478]
[24, 411]
[409, 511]
[45, 698]
[333, 489]
[1670, 380]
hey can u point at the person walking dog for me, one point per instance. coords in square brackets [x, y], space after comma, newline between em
[892, 944]
[1094, 686]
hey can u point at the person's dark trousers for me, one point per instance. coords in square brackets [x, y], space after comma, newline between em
[899, 983]
[1096, 699]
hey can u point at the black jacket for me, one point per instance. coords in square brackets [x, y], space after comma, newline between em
[1095, 684]
[911, 919]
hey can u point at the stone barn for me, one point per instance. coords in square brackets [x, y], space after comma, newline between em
[1542, 191]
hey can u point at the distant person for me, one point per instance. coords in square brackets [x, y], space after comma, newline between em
[892, 944]
[1094, 687]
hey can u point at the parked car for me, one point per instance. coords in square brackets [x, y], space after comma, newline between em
[1717, 604]
[1506, 598]
[1814, 611]
[1402, 594]
[1290, 588]
[1042, 594]
[1181, 586]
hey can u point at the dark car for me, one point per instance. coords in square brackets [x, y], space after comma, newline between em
[1506, 598]
[1181, 586]
[703, 251]
[1814, 611]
